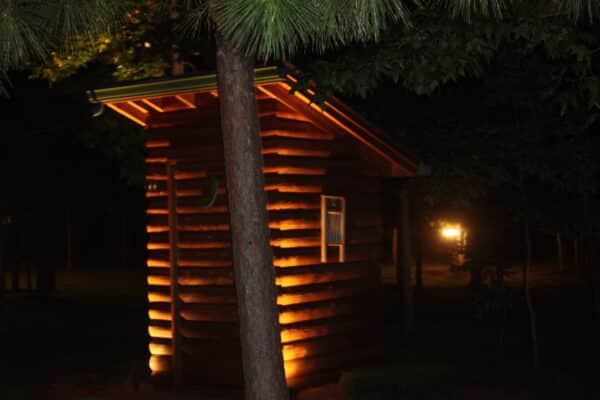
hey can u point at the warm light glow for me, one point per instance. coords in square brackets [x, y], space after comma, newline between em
[291, 369]
[159, 315]
[126, 114]
[158, 263]
[294, 171]
[157, 246]
[451, 233]
[154, 297]
[158, 364]
[290, 188]
[203, 228]
[294, 224]
[160, 333]
[289, 243]
[157, 280]
[159, 349]
[156, 229]
[284, 205]
[295, 261]
[296, 152]
[205, 263]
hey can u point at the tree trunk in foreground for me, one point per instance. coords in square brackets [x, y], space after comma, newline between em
[404, 273]
[262, 360]
[527, 289]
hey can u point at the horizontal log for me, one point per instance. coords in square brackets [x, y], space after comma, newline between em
[156, 330]
[342, 360]
[296, 147]
[326, 327]
[210, 329]
[325, 273]
[331, 344]
[209, 295]
[212, 349]
[329, 309]
[274, 160]
[160, 364]
[204, 237]
[277, 234]
[160, 347]
[294, 224]
[209, 312]
[209, 277]
[297, 129]
[325, 292]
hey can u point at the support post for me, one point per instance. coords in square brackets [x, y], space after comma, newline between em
[404, 272]
[174, 269]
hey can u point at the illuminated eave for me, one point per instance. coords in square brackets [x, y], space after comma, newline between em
[174, 86]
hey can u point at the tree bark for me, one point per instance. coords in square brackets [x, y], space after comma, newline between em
[2, 284]
[559, 252]
[69, 239]
[527, 290]
[575, 254]
[419, 288]
[404, 267]
[262, 359]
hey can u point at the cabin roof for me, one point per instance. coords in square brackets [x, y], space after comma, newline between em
[138, 101]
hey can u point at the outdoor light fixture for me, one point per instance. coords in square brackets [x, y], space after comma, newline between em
[451, 233]
[456, 236]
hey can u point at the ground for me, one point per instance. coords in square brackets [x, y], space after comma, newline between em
[90, 340]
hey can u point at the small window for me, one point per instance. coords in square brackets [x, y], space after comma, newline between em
[333, 227]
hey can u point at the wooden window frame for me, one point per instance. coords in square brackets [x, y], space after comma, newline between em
[324, 245]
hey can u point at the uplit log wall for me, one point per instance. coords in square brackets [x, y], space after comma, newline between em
[329, 311]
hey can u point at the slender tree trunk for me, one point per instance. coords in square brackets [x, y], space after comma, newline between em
[2, 284]
[404, 272]
[527, 290]
[124, 241]
[559, 252]
[419, 288]
[69, 239]
[575, 254]
[262, 360]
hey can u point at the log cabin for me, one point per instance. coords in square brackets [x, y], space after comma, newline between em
[324, 169]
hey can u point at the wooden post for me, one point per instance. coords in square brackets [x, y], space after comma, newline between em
[404, 272]
[174, 269]
[559, 253]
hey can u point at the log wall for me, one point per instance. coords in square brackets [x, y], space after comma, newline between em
[329, 312]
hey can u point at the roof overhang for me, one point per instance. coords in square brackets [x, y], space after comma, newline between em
[141, 100]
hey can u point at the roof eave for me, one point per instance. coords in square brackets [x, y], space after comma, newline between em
[174, 86]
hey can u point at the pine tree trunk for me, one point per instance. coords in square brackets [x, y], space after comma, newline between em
[527, 290]
[559, 252]
[69, 239]
[575, 254]
[404, 273]
[262, 358]
[419, 288]
[2, 284]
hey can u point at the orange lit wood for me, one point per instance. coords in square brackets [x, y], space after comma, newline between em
[129, 112]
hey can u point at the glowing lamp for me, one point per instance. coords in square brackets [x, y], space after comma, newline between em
[451, 233]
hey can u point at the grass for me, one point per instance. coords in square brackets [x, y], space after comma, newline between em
[94, 331]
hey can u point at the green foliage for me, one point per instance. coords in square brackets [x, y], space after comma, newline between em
[277, 29]
[138, 49]
[29, 28]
